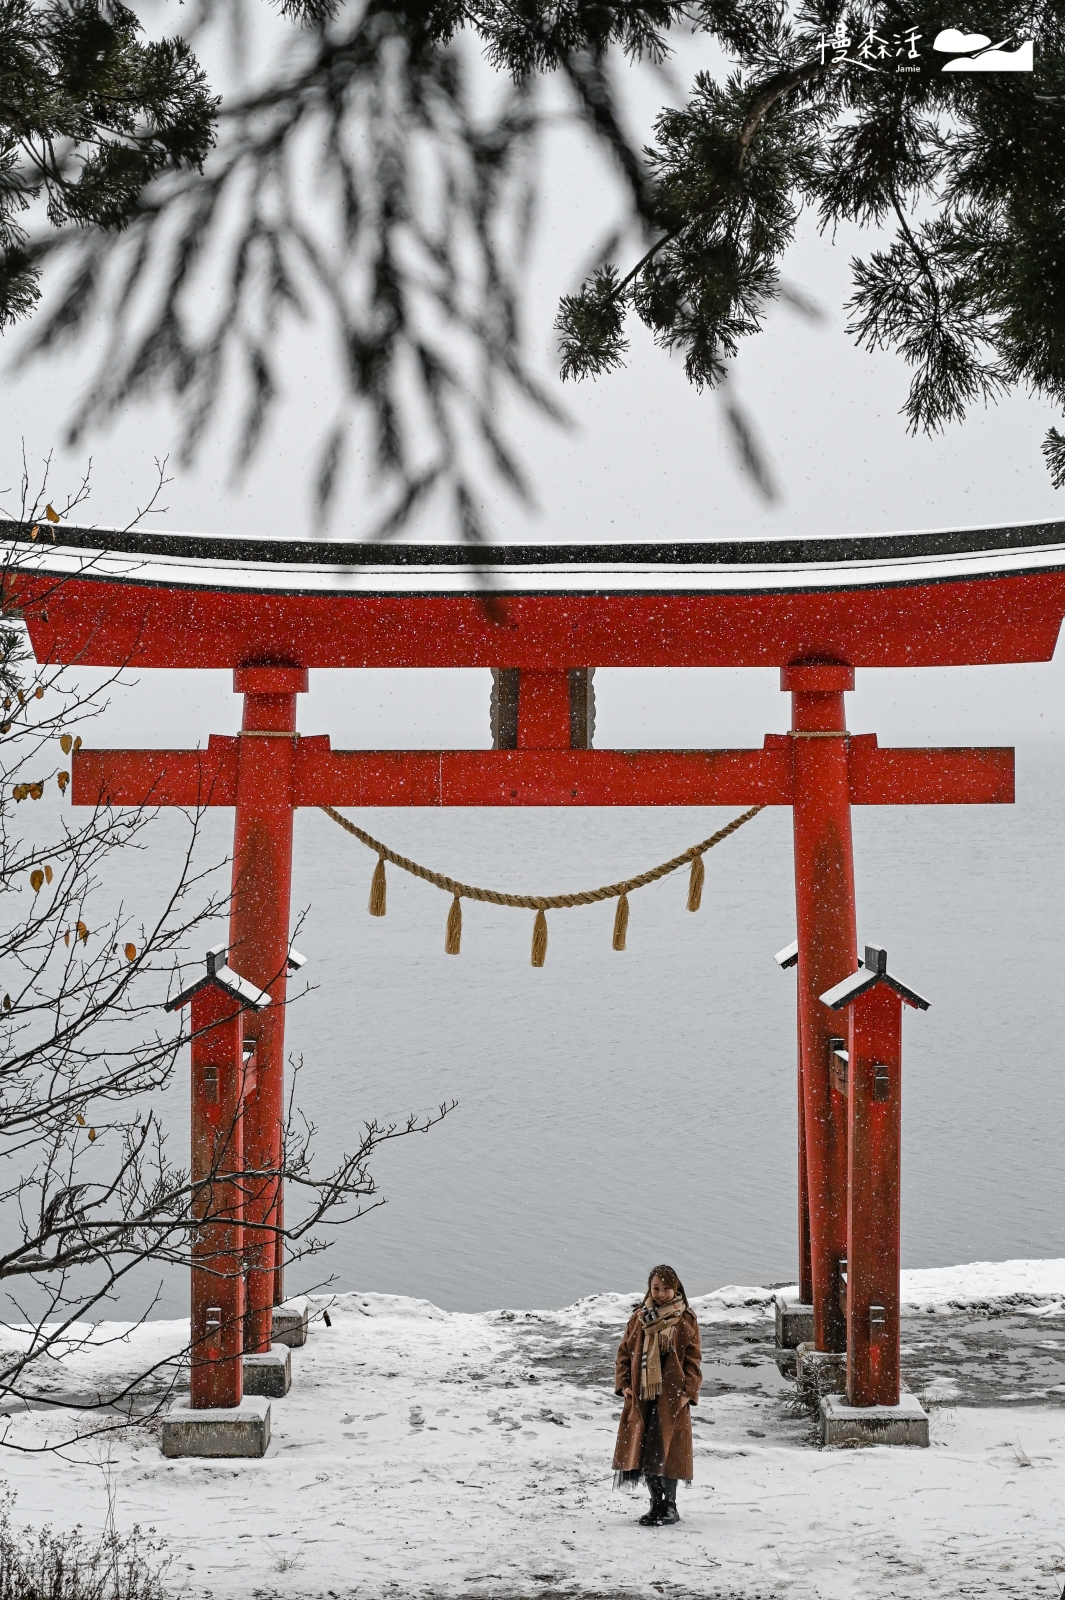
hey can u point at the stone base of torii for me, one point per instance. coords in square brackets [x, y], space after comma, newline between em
[848, 1122]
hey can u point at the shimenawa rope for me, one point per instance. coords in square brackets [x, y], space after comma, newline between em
[536, 902]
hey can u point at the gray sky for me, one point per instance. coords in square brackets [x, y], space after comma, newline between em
[645, 456]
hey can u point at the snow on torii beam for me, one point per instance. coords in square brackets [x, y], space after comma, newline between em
[814, 608]
[176, 600]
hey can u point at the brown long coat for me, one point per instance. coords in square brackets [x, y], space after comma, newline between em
[682, 1375]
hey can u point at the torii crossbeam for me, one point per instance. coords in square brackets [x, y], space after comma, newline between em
[817, 609]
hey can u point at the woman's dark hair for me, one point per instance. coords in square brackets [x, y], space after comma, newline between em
[669, 1278]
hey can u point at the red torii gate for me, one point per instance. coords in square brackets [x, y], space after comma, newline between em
[818, 609]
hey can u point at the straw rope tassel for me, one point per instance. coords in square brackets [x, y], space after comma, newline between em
[453, 937]
[378, 889]
[693, 856]
[695, 884]
[621, 922]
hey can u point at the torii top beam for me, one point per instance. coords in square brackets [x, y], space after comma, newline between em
[942, 598]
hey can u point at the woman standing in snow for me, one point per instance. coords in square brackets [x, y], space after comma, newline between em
[659, 1373]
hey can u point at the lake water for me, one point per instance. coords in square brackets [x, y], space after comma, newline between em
[615, 1110]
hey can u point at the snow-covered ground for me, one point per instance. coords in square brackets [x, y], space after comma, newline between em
[423, 1452]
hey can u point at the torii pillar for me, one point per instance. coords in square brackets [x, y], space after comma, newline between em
[259, 941]
[876, 1409]
[218, 1421]
[828, 952]
[222, 1079]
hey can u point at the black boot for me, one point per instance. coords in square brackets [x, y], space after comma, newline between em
[669, 1513]
[652, 1518]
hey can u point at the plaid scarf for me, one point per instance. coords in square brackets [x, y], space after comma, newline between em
[659, 1326]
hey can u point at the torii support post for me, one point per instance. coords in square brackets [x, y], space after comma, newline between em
[874, 1194]
[827, 938]
[223, 1072]
[217, 1276]
[873, 1000]
[259, 940]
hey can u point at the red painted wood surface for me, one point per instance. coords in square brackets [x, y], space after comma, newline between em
[97, 622]
[828, 952]
[258, 948]
[543, 711]
[806, 1271]
[874, 1175]
[217, 1277]
[544, 777]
